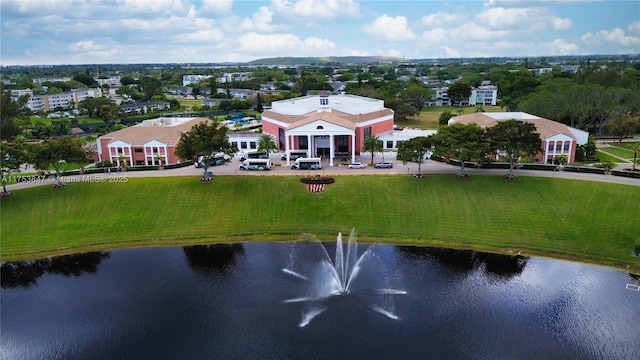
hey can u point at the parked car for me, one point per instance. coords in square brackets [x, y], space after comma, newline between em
[384, 165]
[356, 165]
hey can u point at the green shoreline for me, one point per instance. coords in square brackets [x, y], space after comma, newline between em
[576, 220]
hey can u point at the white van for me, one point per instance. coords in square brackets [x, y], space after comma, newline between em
[307, 164]
[256, 164]
[218, 159]
[294, 154]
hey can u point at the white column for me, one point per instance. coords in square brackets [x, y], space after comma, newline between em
[353, 147]
[546, 152]
[309, 146]
[287, 148]
[331, 152]
[166, 155]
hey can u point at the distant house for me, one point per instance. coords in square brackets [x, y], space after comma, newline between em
[557, 138]
[193, 79]
[52, 102]
[141, 144]
[145, 107]
[211, 102]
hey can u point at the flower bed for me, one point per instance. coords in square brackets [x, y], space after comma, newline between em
[317, 180]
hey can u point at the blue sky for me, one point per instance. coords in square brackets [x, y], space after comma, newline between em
[38, 32]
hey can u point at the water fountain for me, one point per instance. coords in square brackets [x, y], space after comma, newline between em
[326, 279]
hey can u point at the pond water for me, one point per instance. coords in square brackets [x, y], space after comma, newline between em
[230, 302]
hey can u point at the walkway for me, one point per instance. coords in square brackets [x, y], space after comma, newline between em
[429, 167]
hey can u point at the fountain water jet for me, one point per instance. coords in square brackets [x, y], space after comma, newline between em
[326, 279]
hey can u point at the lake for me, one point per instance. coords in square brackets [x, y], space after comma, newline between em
[234, 301]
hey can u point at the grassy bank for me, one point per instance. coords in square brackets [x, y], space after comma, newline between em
[576, 219]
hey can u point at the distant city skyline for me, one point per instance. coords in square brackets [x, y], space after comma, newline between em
[48, 32]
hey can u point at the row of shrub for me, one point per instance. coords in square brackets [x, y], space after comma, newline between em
[543, 167]
[317, 180]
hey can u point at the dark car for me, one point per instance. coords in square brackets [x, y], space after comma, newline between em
[384, 165]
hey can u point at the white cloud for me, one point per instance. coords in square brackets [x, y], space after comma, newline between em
[388, 28]
[630, 40]
[561, 24]
[442, 19]
[451, 53]
[88, 45]
[285, 43]
[216, 7]
[326, 9]
[204, 36]
[564, 48]
[503, 18]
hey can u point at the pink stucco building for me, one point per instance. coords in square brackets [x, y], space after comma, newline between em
[148, 143]
[557, 138]
[326, 125]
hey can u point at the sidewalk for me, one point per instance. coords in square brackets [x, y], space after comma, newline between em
[429, 167]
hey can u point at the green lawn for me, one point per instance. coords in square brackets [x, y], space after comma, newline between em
[604, 157]
[619, 151]
[575, 219]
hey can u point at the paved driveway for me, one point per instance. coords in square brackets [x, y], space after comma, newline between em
[280, 168]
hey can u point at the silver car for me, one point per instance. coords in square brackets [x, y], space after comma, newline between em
[356, 165]
[384, 165]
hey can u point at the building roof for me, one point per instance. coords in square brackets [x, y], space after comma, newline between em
[546, 128]
[336, 117]
[139, 135]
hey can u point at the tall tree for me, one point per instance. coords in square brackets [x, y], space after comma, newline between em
[417, 94]
[86, 79]
[202, 142]
[14, 117]
[461, 141]
[622, 127]
[415, 149]
[373, 144]
[12, 155]
[514, 138]
[636, 149]
[259, 107]
[58, 154]
[444, 118]
[515, 86]
[150, 87]
[458, 92]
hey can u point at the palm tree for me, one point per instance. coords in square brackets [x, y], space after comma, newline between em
[122, 162]
[636, 149]
[373, 144]
[159, 159]
[266, 144]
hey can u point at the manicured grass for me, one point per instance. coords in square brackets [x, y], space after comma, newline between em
[586, 220]
[188, 103]
[618, 151]
[602, 156]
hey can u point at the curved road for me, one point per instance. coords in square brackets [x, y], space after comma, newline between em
[428, 167]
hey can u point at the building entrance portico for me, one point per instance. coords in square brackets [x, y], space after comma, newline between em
[322, 139]
[326, 125]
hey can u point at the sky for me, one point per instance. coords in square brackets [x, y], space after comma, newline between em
[56, 32]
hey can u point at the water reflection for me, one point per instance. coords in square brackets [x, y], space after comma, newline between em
[215, 258]
[226, 301]
[496, 265]
[27, 273]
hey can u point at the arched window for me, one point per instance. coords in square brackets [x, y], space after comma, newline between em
[319, 127]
